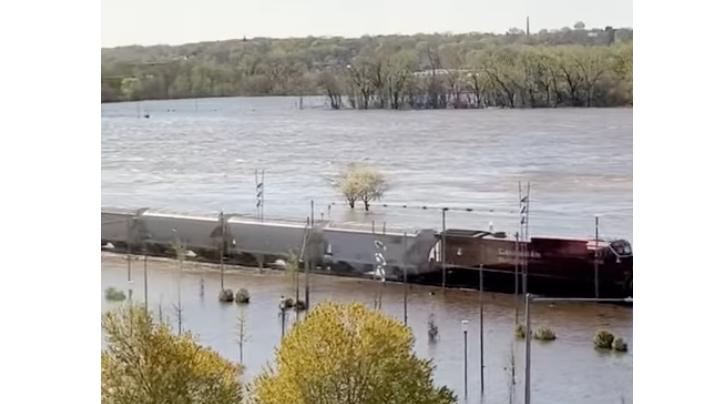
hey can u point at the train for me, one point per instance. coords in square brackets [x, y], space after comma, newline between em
[566, 264]
[248, 240]
[579, 267]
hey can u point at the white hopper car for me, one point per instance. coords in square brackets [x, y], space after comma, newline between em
[338, 248]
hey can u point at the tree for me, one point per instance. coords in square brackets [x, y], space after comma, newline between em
[329, 83]
[346, 353]
[362, 183]
[130, 86]
[144, 362]
[393, 71]
[579, 25]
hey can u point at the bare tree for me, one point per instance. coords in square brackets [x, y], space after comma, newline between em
[330, 85]
[181, 251]
[477, 85]
[242, 335]
[360, 182]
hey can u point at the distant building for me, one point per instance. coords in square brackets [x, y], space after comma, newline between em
[438, 72]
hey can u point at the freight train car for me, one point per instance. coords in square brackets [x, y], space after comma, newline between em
[248, 240]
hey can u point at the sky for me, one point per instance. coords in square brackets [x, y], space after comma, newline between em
[173, 22]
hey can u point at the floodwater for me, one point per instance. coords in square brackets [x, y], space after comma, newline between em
[567, 370]
[199, 156]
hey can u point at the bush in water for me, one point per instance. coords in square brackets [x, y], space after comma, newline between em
[242, 296]
[226, 296]
[603, 339]
[619, 344]
[544, 334]
[115, 295]
[520, 331]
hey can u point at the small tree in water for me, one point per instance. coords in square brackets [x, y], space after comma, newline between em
[363, 183]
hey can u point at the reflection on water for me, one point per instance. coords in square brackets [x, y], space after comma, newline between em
[579, 161]
[566, 370]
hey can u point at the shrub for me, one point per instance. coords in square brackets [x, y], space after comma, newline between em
[226, 295]
[544, 334]
[603, 339]
[287, 303]
[115, 295]
[619, 344]
[520, 331]
[242, 296]
[300, 305]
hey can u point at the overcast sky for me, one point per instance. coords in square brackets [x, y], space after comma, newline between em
[150, 22]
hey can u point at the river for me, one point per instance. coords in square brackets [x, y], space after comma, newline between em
[199, 156]
[567, 370]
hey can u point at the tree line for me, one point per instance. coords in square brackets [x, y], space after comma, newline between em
[569, 67]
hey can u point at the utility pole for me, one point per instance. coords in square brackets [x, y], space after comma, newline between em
[145, 278]
[129, 228]
[595, 261]
[524, 221]
[482, 331]
[442, 251]
[222, 246]
[305, 255]
[284, 319]
[517, 275]
[527, 348]
[404, 275]
[465, 356]
[128, 247]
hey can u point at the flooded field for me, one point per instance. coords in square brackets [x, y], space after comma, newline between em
[567, 370]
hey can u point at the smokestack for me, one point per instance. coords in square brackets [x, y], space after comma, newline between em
[527, 26]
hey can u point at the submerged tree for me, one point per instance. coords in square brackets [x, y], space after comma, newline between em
[349, 354]
[360, 182]
[144, 362]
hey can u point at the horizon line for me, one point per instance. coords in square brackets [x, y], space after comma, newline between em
[344, 37]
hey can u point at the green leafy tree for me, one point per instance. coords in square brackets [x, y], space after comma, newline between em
[346, 353]
[144, 362]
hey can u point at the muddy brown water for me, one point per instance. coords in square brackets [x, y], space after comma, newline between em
[567, 370]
